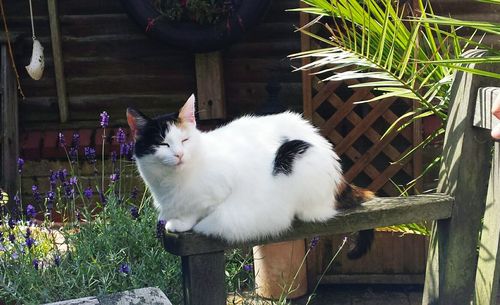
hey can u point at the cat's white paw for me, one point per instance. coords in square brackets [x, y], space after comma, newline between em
[177, 225]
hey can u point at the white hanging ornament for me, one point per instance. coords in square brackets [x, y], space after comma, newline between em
[37, 62]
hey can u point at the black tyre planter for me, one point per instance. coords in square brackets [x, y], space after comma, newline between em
[194, 37]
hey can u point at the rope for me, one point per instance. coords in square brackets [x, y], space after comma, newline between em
[32, 22]
[11, 54]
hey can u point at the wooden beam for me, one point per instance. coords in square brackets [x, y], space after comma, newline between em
[210, 86]
[379, 212]
[203, 279]
[9, 126]
[55, 35]
[488, 265]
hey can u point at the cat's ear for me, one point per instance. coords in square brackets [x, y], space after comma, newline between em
[186, 114]
[136, 120]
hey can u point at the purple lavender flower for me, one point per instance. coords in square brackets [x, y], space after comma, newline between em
[15, 256]
[134, 212]
[104, 119]
[20, 164]
[130, 152]
[30, 211]
[124, 268]
[12, 237]
[36, 262]
[53, 179]
[73, 180]
[160, 229]
[61, 140]
[90, 155]
[114, 177]
[75, 140]
[73, 154]
[12, 223]
[124, 149]
[120, 136]
[88, 192]
[314, 242]
[51, 196]
[62, 173]
[248, 267]
[57, 260]
[113, 157]
[134, 192]
[36, 193]
[69, 190]
[30, 242]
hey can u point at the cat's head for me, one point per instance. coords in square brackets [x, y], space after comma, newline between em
[170, 139]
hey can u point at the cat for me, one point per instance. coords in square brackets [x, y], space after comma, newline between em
[243, 181]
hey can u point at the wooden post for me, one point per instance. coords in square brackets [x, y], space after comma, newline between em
[210, 84]
[488, 268]
[488, 265]
[452, 260]
[9, 125]
[203, 279]
[55, 35]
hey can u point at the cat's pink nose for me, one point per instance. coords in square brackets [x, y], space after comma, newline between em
[179, 155]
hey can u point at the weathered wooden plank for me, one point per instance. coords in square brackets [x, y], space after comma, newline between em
[379, 212]
[9, 128]
[55, 34]
[391, 279]
[203, 279]
[210, 86]
[484, 102]
[488, 265]
[464, 175]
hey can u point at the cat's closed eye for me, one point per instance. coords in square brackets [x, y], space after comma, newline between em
[164, 144]
[185, 140]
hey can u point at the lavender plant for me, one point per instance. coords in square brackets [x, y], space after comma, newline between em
[108, 241]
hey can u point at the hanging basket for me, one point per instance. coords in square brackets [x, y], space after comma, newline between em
[192, 36]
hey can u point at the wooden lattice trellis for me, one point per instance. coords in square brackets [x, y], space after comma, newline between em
[356, 131]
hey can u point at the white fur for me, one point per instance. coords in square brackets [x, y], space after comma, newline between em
[224, 185]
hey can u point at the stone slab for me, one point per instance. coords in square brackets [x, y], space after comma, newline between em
[146, 296]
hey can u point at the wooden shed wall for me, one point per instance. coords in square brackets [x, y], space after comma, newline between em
[109, 64]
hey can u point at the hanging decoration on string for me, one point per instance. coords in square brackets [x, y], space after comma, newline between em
[37, 61]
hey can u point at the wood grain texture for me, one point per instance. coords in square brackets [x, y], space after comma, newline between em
[203, 279]
[57, 54]
[210, 86]
[488, 265]
[464, 175]
[9, 128]
[378, 212]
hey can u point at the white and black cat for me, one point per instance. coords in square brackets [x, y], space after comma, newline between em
[246, 180]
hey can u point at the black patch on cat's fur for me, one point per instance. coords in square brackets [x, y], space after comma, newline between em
[152, 134]
[286, 155]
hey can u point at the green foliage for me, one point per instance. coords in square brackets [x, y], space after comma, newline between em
[394, 50]
[92, 264]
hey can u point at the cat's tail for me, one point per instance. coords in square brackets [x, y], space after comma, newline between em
[350, 196]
